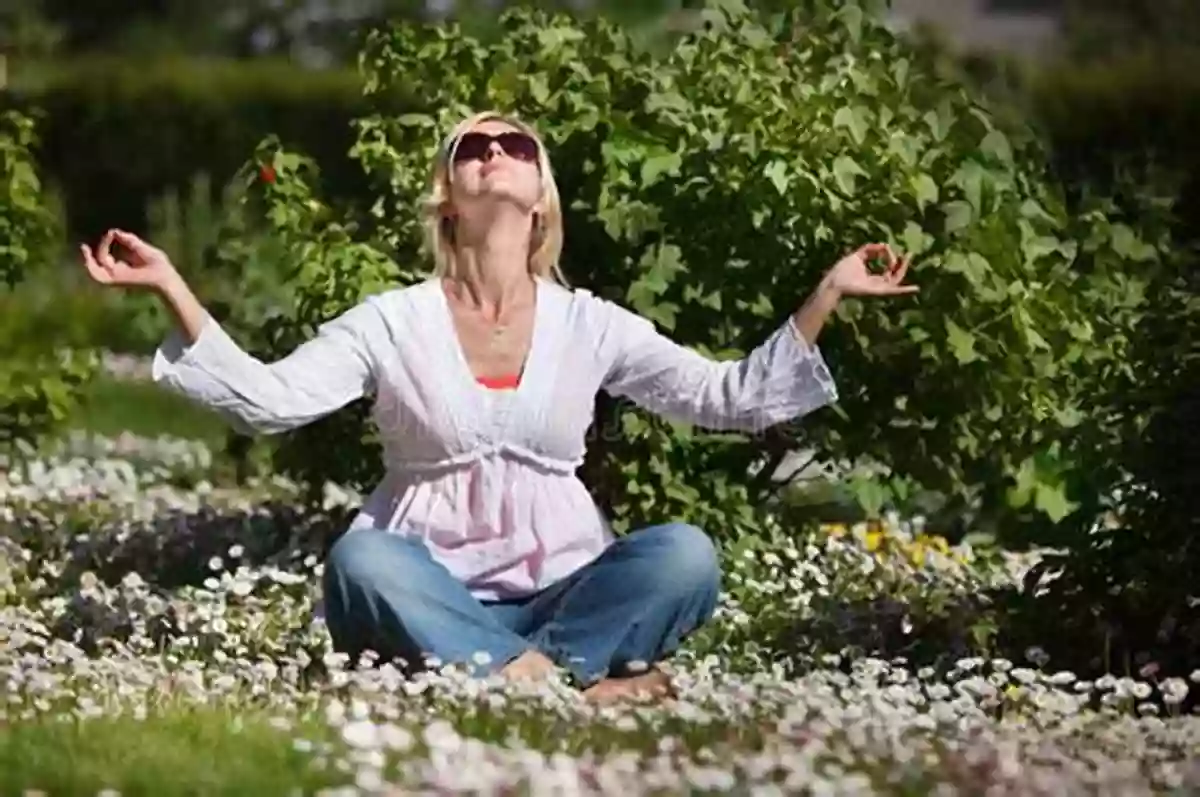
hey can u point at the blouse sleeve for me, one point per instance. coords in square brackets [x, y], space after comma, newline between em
[781, 380]
[320, 376]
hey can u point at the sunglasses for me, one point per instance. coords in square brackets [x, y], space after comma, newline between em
[475, 146]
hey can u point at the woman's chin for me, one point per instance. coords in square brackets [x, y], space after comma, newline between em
[502, 198]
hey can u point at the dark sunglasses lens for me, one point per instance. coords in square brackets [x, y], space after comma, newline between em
[519, 146]
[472, 146]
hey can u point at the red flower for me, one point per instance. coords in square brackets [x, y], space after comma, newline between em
[267, 173]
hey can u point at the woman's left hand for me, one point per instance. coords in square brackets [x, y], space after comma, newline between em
[851, 276]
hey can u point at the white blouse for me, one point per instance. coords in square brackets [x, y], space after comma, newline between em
[486, 477]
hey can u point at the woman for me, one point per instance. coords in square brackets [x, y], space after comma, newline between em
[481, 546]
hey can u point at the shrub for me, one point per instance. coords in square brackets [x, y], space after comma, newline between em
[36, 384]
[1121, 596]
[707, 187]
[26, 226]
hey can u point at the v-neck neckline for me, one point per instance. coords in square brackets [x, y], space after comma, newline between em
[528, 365]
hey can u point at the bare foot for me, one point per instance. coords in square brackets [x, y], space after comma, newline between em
[653, 684]
[529, 666]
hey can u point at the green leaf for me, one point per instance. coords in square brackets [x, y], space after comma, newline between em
[996, 144]
[939, 123]
[1070, 417]
[414, 120]
[1039, 247]
[539, 88]
[664, 313]
[1028, 330]
[1126, 244]
[556, 38]
[845, 172]
[905, 147]
[971, 265]
[777, 173]
[672, 101]
[915, 240]
[925, 190]
[656, 166]
[852, 18]
[959, 215]
[761, 306]
[870, 495]
[855, 119]
[961, 342]
[1032, 209]
[969, 177]
[1052, 500]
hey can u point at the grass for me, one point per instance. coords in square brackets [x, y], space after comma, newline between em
[177, 752]
[112, 406]
[237, 749]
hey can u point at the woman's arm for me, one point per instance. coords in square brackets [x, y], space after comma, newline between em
[190, 316]
[200, 361]
[784, 378]
[317, 378]
[811, 316]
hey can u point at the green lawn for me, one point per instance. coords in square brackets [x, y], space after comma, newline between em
[181, 752]
[111, 406]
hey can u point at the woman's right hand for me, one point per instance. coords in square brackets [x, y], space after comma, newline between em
[145, 266]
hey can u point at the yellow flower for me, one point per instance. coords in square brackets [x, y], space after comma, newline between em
[935, 541]
[874, 540]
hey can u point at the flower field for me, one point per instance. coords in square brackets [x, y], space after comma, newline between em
[162, 635]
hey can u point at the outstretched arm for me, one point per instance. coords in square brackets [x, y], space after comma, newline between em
[319, 377]
[200, 361]
[784, 378]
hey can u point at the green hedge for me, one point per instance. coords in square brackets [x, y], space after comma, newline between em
[117, 133]
[1138, 111]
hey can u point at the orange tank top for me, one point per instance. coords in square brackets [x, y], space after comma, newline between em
[509, 382]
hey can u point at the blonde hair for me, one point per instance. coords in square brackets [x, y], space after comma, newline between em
[547, 235]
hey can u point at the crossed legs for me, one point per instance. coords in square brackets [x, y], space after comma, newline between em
[606, 625]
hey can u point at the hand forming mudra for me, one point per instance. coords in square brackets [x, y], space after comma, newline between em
[143, 265]
[851, 276]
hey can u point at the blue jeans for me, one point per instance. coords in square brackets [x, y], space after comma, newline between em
[624, 611]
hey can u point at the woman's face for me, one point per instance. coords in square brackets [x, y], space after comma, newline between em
[495, 163]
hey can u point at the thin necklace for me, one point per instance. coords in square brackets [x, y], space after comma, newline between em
[498, 331]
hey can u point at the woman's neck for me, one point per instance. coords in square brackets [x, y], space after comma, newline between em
[493, 269]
